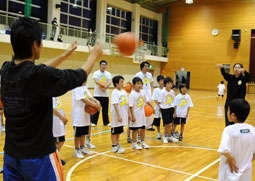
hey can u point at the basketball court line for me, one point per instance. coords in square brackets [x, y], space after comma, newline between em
[142, 163]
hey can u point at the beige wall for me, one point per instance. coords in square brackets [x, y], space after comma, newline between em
[116, 65]
[191, 44]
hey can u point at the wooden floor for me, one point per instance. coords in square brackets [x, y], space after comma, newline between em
[195, 158]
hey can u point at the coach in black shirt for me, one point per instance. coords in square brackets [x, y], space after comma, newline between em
[27, 91]
[236, 88]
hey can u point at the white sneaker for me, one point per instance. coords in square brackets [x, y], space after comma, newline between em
[158, 136]
[136, 146]
[121, 150]
[144, 145]
[139, 139]
[93, 125]
[90, 145]
[172, 139]
[78, 154]
[109, 125]
[84, 150]
[164, 139]
[115, 149]
[118, 149]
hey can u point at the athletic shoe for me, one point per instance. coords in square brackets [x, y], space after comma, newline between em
[159, 136]
[1, 170]
[121, 150]
[129, 140]
[63, 162]
[109, 125]
[78, 154]
[176, 134]
[164, 139]
[150, 128]
[144, 145]
[180, 138]
[86, 151]
[139, 139]
[115, 149]
[93, 125]
[172, 139]
[90, 145]
[136, 146]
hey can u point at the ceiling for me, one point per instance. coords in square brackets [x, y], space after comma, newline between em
[152, 4]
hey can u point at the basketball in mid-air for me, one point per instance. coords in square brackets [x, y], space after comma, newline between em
[90, 109]
[126, 43]
[128, 87]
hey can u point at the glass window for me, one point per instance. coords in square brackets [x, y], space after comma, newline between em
[145, 29]
[64, 7]
[63, 18]
[123, 23]
[86, 13]
[75, 10]
[85, 23]
[3, 5]
[108, 19]
[107, 29]
[113, 11]
[115, 21]
[86, 4]
[16, 7]
[123, 14]
[74, 21]
[115, 30]
[148, 30]
[118, 13]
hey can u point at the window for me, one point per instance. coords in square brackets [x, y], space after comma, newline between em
[148, 30]
[117, 21]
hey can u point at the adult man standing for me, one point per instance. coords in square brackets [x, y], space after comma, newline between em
[147, 78]
[102, 79]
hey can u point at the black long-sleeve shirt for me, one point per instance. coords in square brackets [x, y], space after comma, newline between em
[27, 91]
[236, 86]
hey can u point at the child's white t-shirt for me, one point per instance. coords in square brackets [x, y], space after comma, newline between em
[182, 103]
[138, 100]
[239, 141]
[166, 99]
[221, 88]
[58, 125]
[79, 116]
[101, 77]
[120, 98]
[147, 79]
[155, 96]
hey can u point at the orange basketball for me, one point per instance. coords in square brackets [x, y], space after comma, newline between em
[126, 43]
[90, 109]
[128, 87]
[103, 83]
[148, 110]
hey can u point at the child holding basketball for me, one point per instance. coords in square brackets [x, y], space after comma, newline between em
[81, 120]
[221, 88]
[119, 112]
[237, 146]
[155, 96]
[137, 101]
[182, 105]
[166, 100]
[59, 122]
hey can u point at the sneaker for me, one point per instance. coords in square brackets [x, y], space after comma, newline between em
[176, 134]
[150, 128]
[3, 128]
[129, 140]
[172, 139]
[164, 139]
[159, 136]
[136, 146]
[118, 149]
[121, 150]
[90, 145]
[63, 162]
[139, 139]
[144, 145]
[93, 125]
[78, 154]
[115, 149]
[1, 170]
[180, 138]
[109, 125]
[86, 151]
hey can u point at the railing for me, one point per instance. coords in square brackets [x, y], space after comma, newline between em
[83, 37]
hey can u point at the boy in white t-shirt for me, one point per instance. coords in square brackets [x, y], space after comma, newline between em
[155, 96]
[237, 146]
[119, 112]
[221, 88]
[182, 105]
[166, 100]
[80, 119]
[59, 122]
[137, 101]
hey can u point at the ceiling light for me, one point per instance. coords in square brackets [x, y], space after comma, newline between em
[189, 1]
[109, 8]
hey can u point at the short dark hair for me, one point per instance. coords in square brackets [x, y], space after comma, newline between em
[222, 82]
[103, 61]
[182, 86]
[241, 109]
[24, 32]
[137, 79]
[160, 77]
[167, 79]
[116, 79]
[241, 65]
[143, 64]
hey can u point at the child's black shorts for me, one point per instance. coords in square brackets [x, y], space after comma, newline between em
[59, 139]
[136, 128]
[179, 120]
[117, 130]
[156, 122]
[80, 131]
[167, 115]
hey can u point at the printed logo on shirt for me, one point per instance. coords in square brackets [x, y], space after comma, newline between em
[140, 101]
[86, 95]
[169, 99]
[102, 78]
[146, 80]
[123, 100]
[59, 105]
[183, 102]
[244, 130]
[239, 82]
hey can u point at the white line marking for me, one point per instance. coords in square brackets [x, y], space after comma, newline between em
[202, 170]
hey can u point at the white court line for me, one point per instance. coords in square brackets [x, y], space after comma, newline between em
[202, 170]
[142, 163]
